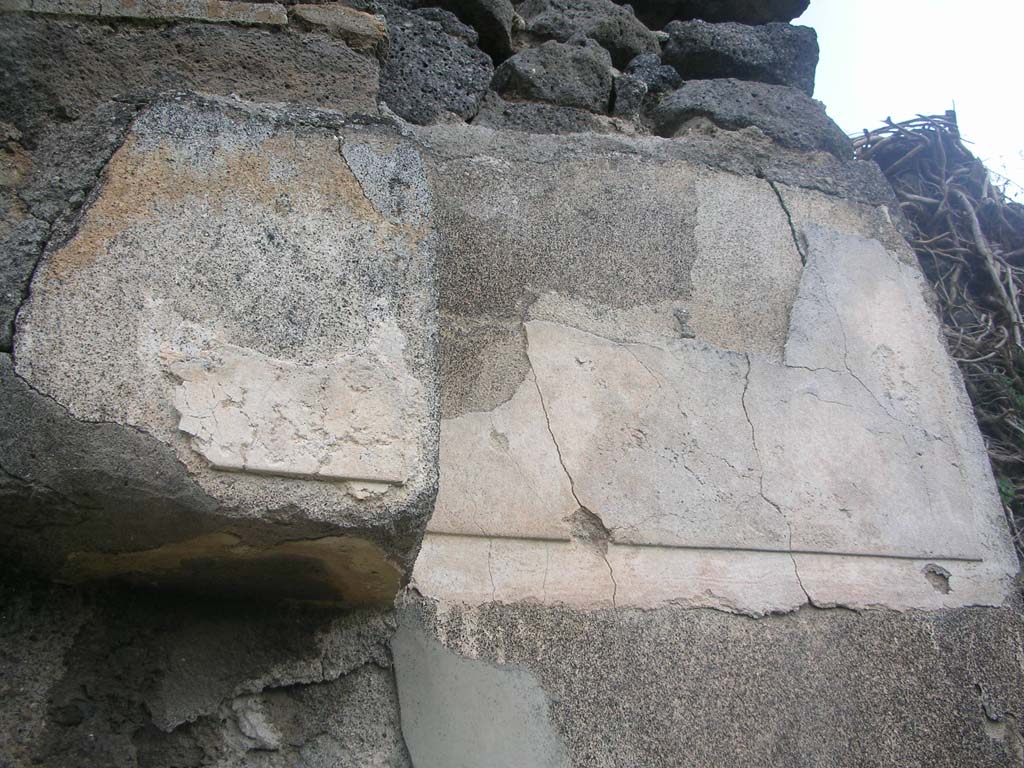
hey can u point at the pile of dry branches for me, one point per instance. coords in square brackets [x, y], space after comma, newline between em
[969, 239]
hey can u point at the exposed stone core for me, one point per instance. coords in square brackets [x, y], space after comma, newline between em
[263, 304]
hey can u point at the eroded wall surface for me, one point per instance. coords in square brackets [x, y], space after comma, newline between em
[476, 385]
[745, 404]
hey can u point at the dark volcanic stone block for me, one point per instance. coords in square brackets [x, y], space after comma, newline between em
[787, 115]
[781, 54]
[532, 117]
[433, 66]
[614, 27]
[492, 20]
[64, 69]
[656, 76]
[565, 74]
[657, 13]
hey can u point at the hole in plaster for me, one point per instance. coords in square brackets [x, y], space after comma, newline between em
[588, 527]
[938, 577]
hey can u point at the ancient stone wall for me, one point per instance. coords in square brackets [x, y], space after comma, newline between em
[474, 384]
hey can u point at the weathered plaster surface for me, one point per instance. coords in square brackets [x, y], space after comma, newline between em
[254, 290]
[253, 324]
[527, 490]
[836, 463]
[747, 270]
[674, 686]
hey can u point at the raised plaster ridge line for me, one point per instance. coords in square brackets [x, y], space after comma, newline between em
[711, 548]
[789, 218]
[293, 474]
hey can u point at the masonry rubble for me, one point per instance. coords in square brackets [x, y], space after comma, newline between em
[474, 384]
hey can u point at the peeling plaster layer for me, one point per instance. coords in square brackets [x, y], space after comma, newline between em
[747, 268]
[851, 473]
[637, 241]
[258, 304]
[347, 419]
[526, 494]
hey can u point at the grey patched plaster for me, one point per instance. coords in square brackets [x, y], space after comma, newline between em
[464, 713]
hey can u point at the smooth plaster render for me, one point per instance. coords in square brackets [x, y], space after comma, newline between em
[463, 713]
[708, 468]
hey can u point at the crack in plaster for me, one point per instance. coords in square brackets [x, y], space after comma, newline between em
[572, 489]
[490, 570]
[789, 218]
[760, 479]
[824, 292]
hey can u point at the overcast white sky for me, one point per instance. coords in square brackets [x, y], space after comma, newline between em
[898, 58]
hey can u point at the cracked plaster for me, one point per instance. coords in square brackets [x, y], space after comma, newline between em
[716, 479]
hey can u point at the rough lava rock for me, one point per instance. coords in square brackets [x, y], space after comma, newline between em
[630, 92]
[576, 74]
[786, 115]
[614, 27]
[90, 62]
[658, 77]
[531, 117]
[492, 19]
[433, 66]
[781, 54]
[362, 32]
[657, 13]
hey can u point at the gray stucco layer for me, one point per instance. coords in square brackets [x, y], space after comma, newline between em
[701, 688]
[129, 679]
[145, 680]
